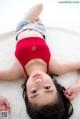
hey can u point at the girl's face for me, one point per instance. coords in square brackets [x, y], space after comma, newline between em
[40, 89]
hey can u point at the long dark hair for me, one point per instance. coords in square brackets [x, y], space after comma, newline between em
[61, 110]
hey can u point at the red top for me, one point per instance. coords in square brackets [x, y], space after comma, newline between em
[31, 48]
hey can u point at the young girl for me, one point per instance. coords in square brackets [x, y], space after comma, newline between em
[44, 98]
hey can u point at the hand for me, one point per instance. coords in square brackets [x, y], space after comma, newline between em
[4, 104]
[72, 91]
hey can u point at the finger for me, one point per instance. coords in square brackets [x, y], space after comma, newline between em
[68, 92]
[8, 109]
[7, 104]
[2, 108]
[66, 95]
[71, 97]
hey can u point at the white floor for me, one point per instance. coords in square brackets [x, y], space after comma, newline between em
[55, 13]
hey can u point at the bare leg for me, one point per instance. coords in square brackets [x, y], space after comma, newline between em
[34, 13]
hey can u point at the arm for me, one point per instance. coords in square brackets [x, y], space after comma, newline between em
[60, 68]
[14, 72]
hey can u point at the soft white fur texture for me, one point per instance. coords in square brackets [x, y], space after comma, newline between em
[64, 45]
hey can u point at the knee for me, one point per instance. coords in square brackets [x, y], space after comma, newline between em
[40, 6]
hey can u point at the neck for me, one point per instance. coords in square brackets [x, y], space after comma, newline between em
[34, 68]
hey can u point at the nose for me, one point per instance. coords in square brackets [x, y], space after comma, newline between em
[38, 80]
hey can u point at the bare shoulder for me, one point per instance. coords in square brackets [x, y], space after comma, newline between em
[16, 69]
[51, 65]
[54, 66]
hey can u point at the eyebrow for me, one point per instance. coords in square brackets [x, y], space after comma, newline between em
[38, 94]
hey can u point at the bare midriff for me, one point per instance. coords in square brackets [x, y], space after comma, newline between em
[29, 33]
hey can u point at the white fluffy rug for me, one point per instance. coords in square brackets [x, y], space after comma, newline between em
[64, 45]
